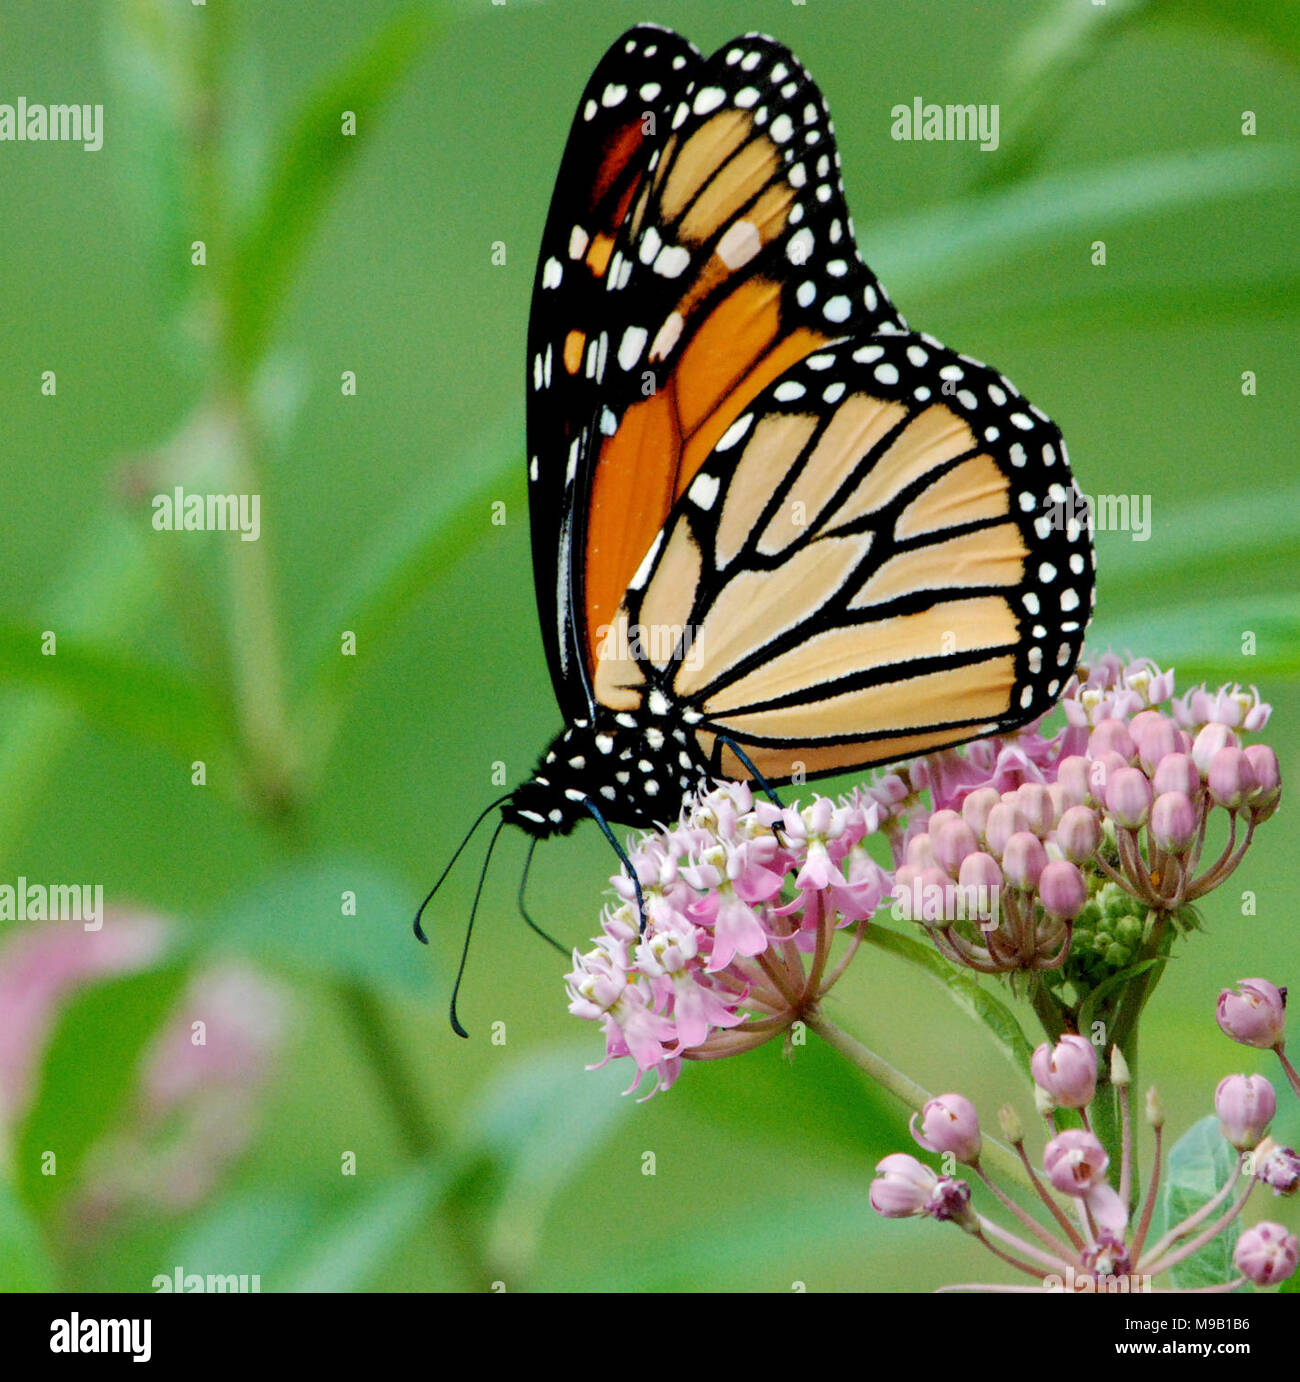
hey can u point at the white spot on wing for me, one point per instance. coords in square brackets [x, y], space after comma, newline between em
[704, 490]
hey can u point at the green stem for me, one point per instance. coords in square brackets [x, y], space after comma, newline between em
[392, 1075]
[399, 1091]
[907, 1090]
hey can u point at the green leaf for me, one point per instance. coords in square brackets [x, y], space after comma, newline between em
[964, 989]
[89, 1076]
[1047, 64]
[928, 252]
[25, 1261]
[540, 1123]
[348, 1250]
[1200, 1163]
[1089, 1006]
[1233, 532]
[249, 1233]
[1200, 637]
[294, 918]
[421, 545]
[767, 1245]
[312, 160]
[150, 63]
[117, 692]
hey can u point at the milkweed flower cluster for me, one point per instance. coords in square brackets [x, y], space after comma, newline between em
[1065, 856]
[1088, 834]
[742, 900]
[1091, 1242]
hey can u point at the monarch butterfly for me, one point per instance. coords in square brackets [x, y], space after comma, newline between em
[776, 533]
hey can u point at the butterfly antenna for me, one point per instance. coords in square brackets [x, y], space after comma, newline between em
[469, 930]
[623, 859]
[487, 811]
[523, 911]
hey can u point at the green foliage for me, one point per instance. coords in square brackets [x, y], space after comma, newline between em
[1200, 1163]
[88, 1079]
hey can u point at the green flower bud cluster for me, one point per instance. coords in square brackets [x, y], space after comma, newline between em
[1108, 933]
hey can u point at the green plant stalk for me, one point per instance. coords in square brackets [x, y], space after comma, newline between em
[907, 1090]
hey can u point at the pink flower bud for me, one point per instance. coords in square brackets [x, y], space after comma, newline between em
[949, 1123]
[920, 851]
[1268, 780]
[980, 870]
[1075, 1162]
[1230, 778]
[1036, 802]
[1023, 860]
[1173, 822]
[1073, 775]
[1128, 797]
[1266, 1254]
[938, 898]
[953, 841]
[1277, 1166]
[903, 1186]
[1154, 735]
[1176, 772]
[1101, 771]
[1003, 822]
[975, 809]
[1067, 1071]
[1079, 833]
[1062, 890]
[1112, 736]
[1255, 1016]
[1245, 1105]
[1208, 742]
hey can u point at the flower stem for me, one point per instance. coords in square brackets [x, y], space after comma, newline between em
[903, 1088]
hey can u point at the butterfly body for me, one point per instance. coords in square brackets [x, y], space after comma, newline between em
[634, 768]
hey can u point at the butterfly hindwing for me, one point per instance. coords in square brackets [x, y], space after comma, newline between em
[631, 94]
[881, 557]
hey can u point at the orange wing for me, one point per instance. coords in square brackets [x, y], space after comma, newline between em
[737, 259]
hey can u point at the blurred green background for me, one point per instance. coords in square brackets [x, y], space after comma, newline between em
[478, 1162]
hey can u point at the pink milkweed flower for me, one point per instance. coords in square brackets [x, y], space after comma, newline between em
[1277, 1167]
[1067, 1071]
[721, 968]
[1075, 1162]
[199, 1099]
[1230, 705]
[1245, 1106]
[1255, 1015]
[44, 965]
[949, 1123]
[1266, 1254]
[905, 1187]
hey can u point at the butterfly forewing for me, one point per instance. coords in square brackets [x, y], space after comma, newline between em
[631, 94]
[736, 260]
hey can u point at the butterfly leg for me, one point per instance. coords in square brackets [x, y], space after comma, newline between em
[758, 777]
[623, 859]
